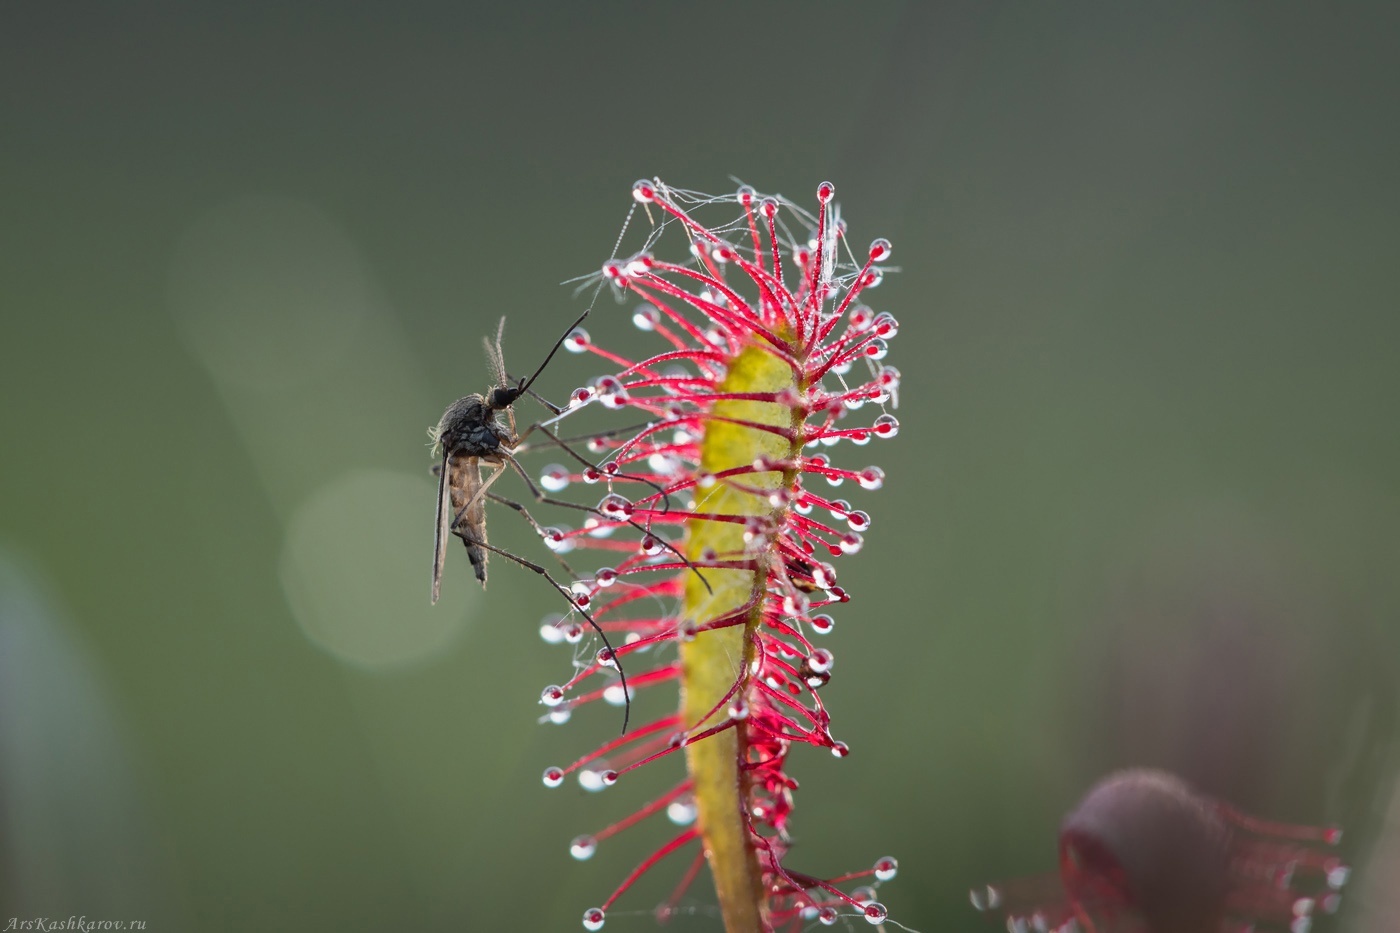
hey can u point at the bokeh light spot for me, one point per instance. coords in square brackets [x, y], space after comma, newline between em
[356, 564]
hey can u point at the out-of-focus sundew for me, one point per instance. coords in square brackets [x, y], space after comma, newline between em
[1144, 852]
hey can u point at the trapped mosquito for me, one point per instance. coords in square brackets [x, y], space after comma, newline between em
[472, 437]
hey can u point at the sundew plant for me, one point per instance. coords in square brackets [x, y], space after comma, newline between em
[718, 517]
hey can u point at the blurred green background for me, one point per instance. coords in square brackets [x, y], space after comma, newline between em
[1143, 508]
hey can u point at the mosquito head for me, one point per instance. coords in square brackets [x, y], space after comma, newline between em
[503, 397]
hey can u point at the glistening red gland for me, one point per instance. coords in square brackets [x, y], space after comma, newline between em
[1144, 852]
[718, 541]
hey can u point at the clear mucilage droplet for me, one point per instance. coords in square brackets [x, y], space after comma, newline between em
[554, 478]
[681, 812]
[875, 912]
[557, 540]
[614, 695]
[593, 919]
[583, 847]
[550, 630]
[615, 507]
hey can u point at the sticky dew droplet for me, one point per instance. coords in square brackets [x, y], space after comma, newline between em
[871, 478]
[577, 341]
[557, 540]
[614, 695]
[550, 631]
[615, 507]
[681, 812]
[554, 478]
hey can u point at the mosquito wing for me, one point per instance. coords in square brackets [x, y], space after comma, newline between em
[440, 536]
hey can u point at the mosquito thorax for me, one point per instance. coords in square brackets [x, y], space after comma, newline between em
[469, 427]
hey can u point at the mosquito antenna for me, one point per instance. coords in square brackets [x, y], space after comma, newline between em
[494, 354]
[557, 344]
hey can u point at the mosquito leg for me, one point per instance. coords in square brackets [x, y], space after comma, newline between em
[547, 500]
[610, 432]
[562, 445]
[539, 529]
[531, 565]
[545, 402]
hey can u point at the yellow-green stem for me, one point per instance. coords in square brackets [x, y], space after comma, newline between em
[712, 662]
